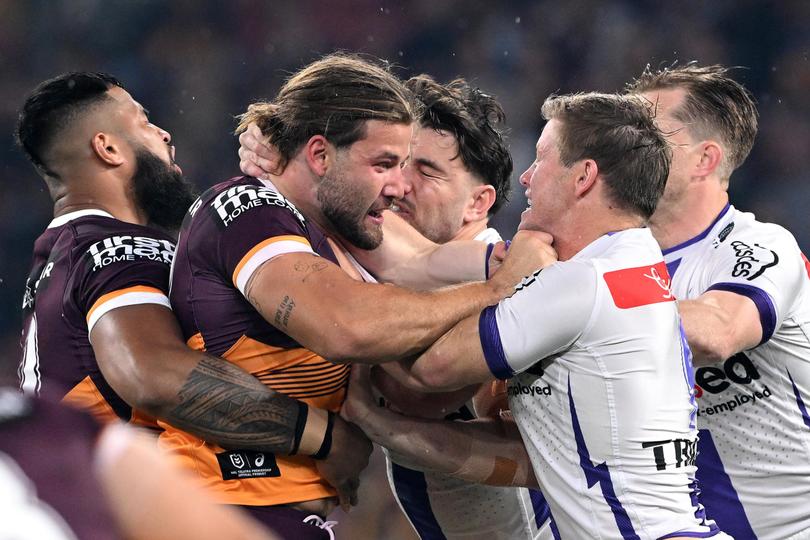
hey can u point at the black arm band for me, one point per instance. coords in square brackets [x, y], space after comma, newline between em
[300, 424]
[326, 445]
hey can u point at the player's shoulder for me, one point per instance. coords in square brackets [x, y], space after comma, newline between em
[242, 198]
[746, 228]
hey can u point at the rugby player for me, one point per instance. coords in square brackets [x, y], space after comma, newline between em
[98, 328]
[261, 279]
[744, 297]
[459, 173]
[600, 375]
[64, 476]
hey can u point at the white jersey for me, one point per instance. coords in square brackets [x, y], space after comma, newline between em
[754, 462]
[601, 391]
[441, 507]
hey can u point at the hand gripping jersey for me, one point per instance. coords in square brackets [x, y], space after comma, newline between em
[754, 449]
[230, 231]
[86, 263]
[441, 507]
[602, 392]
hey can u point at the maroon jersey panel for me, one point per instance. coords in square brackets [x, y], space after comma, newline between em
[78, 264]
[54, 449]
[225, 225]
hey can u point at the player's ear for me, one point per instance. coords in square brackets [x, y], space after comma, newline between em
[317, 154]
[108, 149]
[481, 200]
[587, 171]
[711, 156]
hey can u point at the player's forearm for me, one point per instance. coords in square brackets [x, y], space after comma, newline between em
[222, 404]
[479, 451]
[711, 331]
[399, 323]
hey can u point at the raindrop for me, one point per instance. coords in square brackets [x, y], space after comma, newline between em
[401, 53]
[517, 20]
[370, 39]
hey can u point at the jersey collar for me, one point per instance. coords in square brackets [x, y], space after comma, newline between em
[65, 218]
[700, 236]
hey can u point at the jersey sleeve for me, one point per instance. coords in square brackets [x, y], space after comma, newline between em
[547, 313]
[764, 265]
[122, 270]
[255, 224]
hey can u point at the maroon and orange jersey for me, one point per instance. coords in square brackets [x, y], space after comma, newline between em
[229, 232]
[86, 263]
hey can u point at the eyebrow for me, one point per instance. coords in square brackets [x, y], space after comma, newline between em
[386, 156]
[429, 163]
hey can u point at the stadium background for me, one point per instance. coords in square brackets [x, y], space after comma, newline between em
[197, 64]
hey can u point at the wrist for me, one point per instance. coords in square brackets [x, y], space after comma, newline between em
[316, 430]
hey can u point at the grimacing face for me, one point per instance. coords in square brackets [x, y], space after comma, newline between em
[441, 186]
[363, 181]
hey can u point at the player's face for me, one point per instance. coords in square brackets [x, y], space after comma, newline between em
[441, 186]
[133, 123]
[364, 180]
[545, 181]
[685, 149]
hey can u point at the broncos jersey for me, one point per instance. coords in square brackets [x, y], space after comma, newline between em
[230, 231]
[86, 263]
[754, 449]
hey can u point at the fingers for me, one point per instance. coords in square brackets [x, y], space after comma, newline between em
[347, 494]
[256, 156]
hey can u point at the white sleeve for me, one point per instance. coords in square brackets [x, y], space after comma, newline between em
[763, 264]
[547, 313]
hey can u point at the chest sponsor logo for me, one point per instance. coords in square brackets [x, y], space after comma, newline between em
[516, 389]
[752, 261]
[710, 381]
[241, 464]
[235, 201]
[640, 286]
[130, 248]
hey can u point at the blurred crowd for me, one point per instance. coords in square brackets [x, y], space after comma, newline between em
[197, 64]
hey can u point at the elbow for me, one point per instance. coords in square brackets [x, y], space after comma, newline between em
[433, 375]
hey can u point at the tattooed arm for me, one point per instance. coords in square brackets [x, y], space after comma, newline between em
[143, 357]
[316, 303]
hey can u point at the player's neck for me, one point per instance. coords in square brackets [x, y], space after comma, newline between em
[471, 229]
[107, 195]
[675, 222]
[300, 190]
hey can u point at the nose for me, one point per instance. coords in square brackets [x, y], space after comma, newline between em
[396, 186]
[165, 135]
[526, 177]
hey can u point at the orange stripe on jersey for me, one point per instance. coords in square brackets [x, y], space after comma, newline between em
[86, 397]
[262, 245]
[115, 294]
[196, 342]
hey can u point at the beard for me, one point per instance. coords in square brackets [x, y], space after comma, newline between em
[161, 191]
[341, 203]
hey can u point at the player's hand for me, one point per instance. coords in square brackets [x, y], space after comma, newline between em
[347, 459]
[529, 251]
[257, 157]
[360, 400]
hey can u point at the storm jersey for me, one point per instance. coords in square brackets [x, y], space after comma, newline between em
[230, 231]
[601, 390]
[86, 263]
[441, 507]
[754, 450]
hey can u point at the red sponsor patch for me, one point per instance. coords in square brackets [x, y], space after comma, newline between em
[806, 264]
[634, 287]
